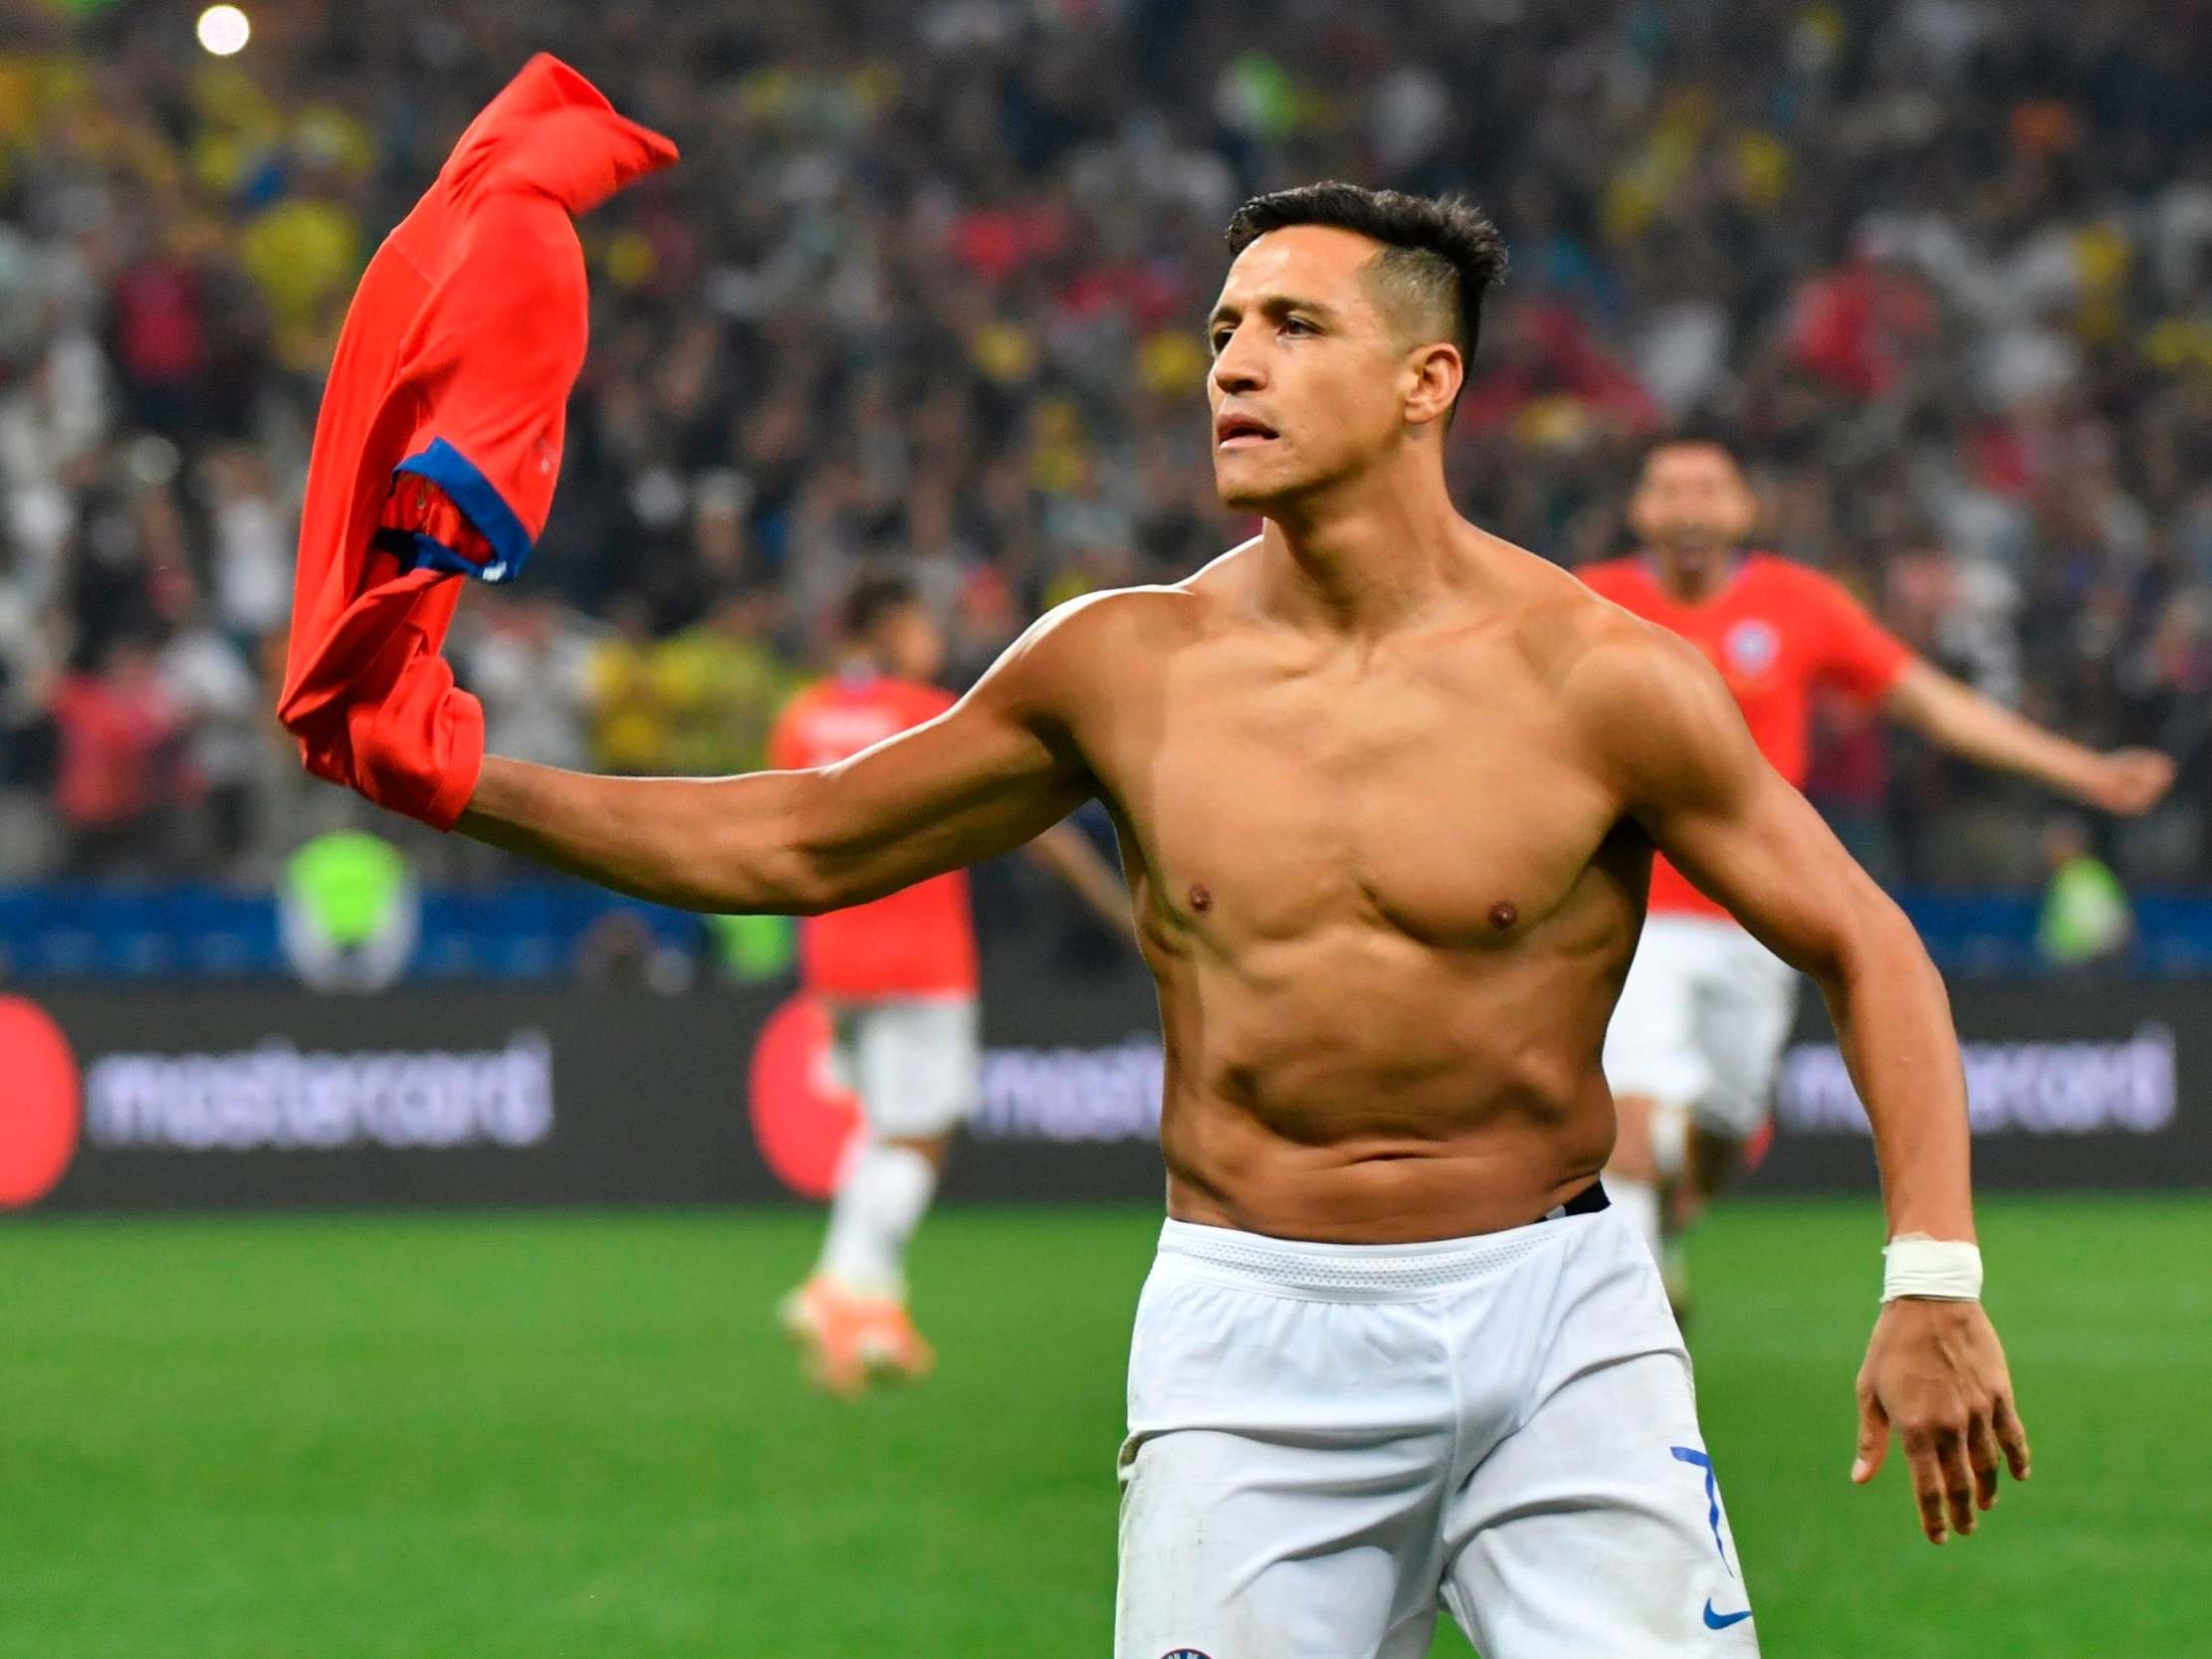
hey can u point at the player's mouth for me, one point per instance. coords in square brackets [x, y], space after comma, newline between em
[1240, 431]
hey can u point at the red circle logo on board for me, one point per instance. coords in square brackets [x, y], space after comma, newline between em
[38, 1103]
[805, 1121]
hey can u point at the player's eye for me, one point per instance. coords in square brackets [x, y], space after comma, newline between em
[1297, 325]
[1220, 340]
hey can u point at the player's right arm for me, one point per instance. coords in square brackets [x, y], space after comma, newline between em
[980, 779]
[1980, 728]
[1857, 654]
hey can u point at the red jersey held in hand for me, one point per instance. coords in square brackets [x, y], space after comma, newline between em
[1775, 630]
[919, 942]
[438, 442]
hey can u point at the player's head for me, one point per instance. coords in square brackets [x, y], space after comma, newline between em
[1342, 335]
[1692, 504]
[888, 621]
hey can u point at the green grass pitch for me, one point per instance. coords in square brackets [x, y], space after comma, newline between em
[474, 1437]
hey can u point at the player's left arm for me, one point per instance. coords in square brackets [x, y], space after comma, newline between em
[1675, 748]
[1958, 718]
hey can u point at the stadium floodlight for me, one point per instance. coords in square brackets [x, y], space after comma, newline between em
[224, 29]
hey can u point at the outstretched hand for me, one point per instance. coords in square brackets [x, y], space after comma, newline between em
[1935, 1373]
[2130, 781]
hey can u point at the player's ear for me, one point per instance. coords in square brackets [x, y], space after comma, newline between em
[1434, 372]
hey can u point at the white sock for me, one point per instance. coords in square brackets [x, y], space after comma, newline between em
[1670, 1140]
[879, 1205]
[1638, 1204]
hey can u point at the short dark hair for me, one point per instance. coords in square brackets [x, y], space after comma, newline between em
[874, 598]
[1695, 435]
[1441, 252]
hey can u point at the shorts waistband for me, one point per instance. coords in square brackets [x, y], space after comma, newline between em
[1361, 1272]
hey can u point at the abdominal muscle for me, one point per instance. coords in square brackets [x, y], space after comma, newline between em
[1371, 1089]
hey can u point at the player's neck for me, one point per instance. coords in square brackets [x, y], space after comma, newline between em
[1370, 556]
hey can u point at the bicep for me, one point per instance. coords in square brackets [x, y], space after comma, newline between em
[968, 785]
[977, 781]
[1762, 852]
[1696, 783]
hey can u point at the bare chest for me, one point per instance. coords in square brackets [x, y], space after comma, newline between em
[1438, 801]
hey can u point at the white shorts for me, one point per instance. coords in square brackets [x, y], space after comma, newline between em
[1701, 1023]
[914, 1062]
[1325, 1441]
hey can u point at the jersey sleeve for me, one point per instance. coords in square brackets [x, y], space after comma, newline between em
[1858, 654]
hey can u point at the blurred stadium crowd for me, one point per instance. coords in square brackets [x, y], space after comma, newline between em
[926, 293]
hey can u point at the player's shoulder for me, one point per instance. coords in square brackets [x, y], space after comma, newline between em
[1610, 666]
[1645, 702]
[1074, 646]
[1147, 617]
[1564, 614]
[1573, 636]
[1114, 618]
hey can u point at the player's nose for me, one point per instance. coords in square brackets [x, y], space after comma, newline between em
[1238, 368]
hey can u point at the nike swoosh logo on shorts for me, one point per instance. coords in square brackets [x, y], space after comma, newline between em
[1721, 1622]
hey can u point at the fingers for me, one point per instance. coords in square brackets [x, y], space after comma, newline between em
[1981, 1452]
[1874, 1437]
[1958, 1480]
[2130, 782]
[1954, 1469]
[1927, 1466]
[2012, 1435]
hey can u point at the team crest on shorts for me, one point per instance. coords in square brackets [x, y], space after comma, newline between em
[1184, 1653]
[1752, 646]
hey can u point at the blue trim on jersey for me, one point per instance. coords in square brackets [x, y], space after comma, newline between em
[475, 494]
[418, 552]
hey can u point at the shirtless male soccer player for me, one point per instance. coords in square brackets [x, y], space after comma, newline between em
[1388, 790]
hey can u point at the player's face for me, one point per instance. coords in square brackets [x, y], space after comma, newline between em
[1309, 383]
[1692, 502]
[910, 644]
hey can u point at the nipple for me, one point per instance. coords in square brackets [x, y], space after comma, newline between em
[1503, 915]
[1200, 900]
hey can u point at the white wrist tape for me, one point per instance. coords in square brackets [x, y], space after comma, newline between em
[1940, 1269]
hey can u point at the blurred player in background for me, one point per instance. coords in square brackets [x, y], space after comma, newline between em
[899, 979]
[1698, 1032]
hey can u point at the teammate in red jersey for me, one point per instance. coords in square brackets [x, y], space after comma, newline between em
[899, 979]
[1694, 1041]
